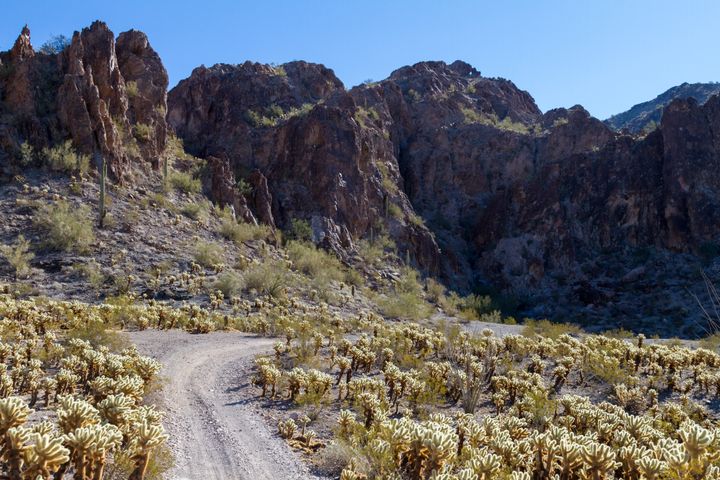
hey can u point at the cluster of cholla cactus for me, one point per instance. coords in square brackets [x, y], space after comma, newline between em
[464, 447]
[514, 409]
[513, 406]
[96, 395]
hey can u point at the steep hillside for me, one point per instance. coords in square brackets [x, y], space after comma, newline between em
[646, 116]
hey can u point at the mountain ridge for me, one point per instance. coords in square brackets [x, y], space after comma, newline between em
[647, 115]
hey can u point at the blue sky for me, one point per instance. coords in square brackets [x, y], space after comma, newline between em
[606, 55]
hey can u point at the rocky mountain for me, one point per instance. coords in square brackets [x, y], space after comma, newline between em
[556, 208]
[556, 213]
[647, 115]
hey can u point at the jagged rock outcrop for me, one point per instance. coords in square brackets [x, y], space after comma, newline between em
[322, 159]
[476, 185]
[82, 94]
[261, 198]
[146, 87]
[224, 189]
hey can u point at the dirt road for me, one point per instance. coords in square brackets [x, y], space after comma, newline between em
[214, 433]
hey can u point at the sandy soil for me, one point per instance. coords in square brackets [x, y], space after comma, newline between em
[215, 433]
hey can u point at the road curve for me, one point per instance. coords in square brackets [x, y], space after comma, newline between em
[214, 433]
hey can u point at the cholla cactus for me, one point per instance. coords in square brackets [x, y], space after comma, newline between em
[15, 449]
[651, 468]
[297, 379]
[268, 375]
[45, 456]
[484, 465]
[370, 406]
[600, 460]
[145, 438]
[287, 429]
[344, 368]
[74, 413]
[89, 447]
[13, 413]
[430, 448]
[116, 410]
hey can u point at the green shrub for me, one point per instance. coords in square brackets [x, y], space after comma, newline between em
[452, 304]
[27, 154]
[395, 211]
[92, 273]
[243, 187]
[373, 251]
[323, 268]
[711, 342]
[549, 329]
[18, 256]
[269, 278]
[127, 137]
[54, 45]
[175, 148]
[242, 232]
[471, 116]
[131, 88]
[64, 158]
[143, 132]
[315, 262]
[300, 230]
[406, 300]
[363, 115]
[208, 254]
[388, 182]
[405, 305]
[480, 304]
[435, 290]
[196, 211]
[279, 70]
[620, 333]
[66, 227]
[258, 120]
[416, 219]
[229, 283]
[185, 182]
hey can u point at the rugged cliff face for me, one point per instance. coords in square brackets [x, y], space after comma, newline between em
[557, 209]
[105, 95]
[323, 157]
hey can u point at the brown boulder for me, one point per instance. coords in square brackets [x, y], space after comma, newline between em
[260, 198]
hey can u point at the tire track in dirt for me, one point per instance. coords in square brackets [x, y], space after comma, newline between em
[214, 432]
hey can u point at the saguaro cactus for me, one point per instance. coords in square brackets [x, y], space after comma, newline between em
[103, 178]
